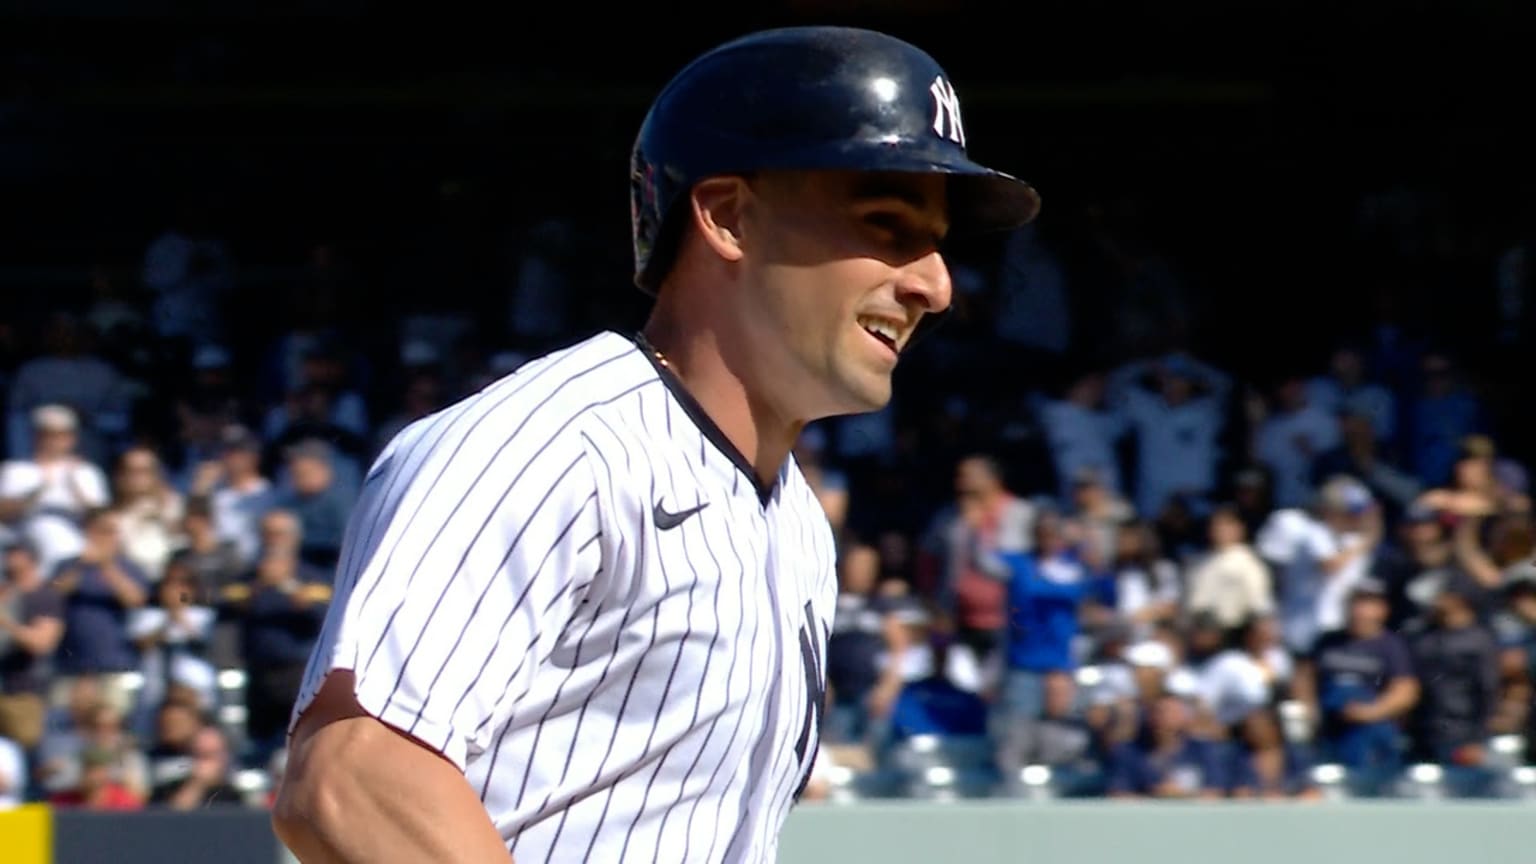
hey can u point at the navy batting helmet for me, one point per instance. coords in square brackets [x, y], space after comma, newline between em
[807, 98]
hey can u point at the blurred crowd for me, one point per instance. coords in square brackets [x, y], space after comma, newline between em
[1121, 571]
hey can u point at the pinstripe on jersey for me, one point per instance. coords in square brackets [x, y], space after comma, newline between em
[614, 689]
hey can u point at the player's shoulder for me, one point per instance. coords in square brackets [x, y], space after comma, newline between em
[536, 415]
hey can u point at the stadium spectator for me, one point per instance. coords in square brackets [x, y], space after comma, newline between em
[1229, 583]
[1457, 662]
[1100, 512]
[31, 625]
[100, 588]
[211, 404]
[1082, 434]
[1347, 387]
[1148, 588]
[1360, 455]
[933, 705]
[44, 498]
[281, 609]
[958, 564]
[1321, 554]
[318, 499]
[1290, 439]
[1443, 415]
[188, 271]
[1167, 761]
[1176, 408]
[210, 564]
[66, 757]
[175, 629]
[867, 640]
[98, 788]
[149, 510]
[239, 493]
[69, 374]
[322, 406]
[191, 765]
[1239, 687]
[1049, 584]
[208, 560]
[1359, 685]
[1060, 738]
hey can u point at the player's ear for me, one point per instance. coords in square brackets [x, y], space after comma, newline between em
[717, 209]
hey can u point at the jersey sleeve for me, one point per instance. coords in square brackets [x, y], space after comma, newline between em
[457, 573]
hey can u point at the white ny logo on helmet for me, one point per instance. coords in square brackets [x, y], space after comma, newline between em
[946, 111]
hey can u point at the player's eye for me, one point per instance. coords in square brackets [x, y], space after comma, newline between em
[898, 231]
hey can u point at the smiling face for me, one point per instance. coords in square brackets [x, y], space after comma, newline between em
[836, 270]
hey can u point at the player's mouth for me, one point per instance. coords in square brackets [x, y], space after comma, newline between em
[889, 332]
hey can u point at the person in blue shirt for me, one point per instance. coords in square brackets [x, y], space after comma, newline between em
[1166, 761]
[1048, 585]
[100, 586]
[933, 705]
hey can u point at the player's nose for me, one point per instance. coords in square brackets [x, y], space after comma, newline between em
[925, 281]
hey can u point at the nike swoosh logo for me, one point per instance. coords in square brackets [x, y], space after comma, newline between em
[666, 521]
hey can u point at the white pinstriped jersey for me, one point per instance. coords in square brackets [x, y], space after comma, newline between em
[517, 589]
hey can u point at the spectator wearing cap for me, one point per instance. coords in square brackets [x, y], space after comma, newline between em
[281, 608]
[149, 510]
[321, 503]
[957, 564]
[1457, 662]
[1177, 422]
[1347, 387]
[45, 497]
[69, 373]
[237, 491]
[1359, 685]
[1082, 433]
[1360, 455]
[31, 625]
[1230, 583]
[1418, 565]
[101, 588]
[1290, 439]
[1321, 555]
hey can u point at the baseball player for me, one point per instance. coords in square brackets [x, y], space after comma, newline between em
[581, 615]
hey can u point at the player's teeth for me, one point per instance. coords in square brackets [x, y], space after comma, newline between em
[879, 328]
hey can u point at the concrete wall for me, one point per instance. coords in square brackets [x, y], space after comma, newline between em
[897, 832]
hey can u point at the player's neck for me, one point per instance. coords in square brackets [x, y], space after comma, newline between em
[695, 355]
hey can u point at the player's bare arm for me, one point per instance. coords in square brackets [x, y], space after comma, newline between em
[357, 791]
